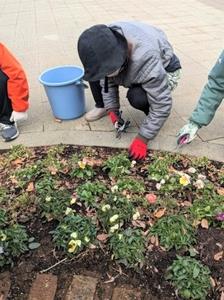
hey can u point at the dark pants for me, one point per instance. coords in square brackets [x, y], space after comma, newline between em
[136, 96]
[5, 102]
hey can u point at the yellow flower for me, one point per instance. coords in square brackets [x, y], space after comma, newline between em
[82, 164]
[105, 207]
[73, 244]
[73, 201]
[185, 180]
[136, 216]
[3, 237]
[114, 218]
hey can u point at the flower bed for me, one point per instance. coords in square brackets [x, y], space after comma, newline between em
[161, 221]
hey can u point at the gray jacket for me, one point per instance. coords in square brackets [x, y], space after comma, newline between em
[151, 53]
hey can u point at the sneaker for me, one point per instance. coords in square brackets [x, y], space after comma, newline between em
[95, 114]
[9, 132]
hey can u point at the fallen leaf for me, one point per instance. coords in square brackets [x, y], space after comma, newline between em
[204, 223]
[92, 162]
[218, 256]
[222, 296]
[159, 213]
[17, 161]
[196, 223]
[138, 223]
[213, 283]
[52, 170]
[102, 237]
[30, 187]
[186, 203]
[220, 191]
[154, 240]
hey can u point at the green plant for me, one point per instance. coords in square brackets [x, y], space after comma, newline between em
[3, 194]
[115, 211]
[3, 217]
[18, 152]
[27, 174]
[80, 168]
[174, 231]
[159, 168]
[46, 185]
[190, 278]
[131, 185]
[200, 162]
[118, 165]
[128, 247]
[207, 208]
[53, 162]
[89, 192]
[13, 242]
[54, 204]
[74, 233]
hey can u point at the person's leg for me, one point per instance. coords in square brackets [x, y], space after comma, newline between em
[98, 111]
[138, 99]
[8, 129]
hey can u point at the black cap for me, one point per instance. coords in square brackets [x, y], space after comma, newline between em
[102, 51]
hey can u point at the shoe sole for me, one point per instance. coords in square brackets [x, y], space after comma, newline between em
[12, 138]
[95, 119]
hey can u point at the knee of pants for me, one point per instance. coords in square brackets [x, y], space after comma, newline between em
[137, 98]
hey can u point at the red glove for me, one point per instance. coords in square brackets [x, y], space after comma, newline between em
[137, 149]
[113, 116]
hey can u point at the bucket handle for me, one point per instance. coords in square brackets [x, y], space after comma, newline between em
[80, 82]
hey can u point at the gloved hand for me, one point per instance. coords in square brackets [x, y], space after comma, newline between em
[187, 133]
[17, 116]
[116, 119]
[137, 149]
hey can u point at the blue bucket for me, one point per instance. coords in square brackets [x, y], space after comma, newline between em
[65, 91]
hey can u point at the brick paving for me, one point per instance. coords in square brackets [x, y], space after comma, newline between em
[44, 33]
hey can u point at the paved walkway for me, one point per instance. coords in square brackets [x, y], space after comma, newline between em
[43, 33]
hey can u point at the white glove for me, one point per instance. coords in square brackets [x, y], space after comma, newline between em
[18, 116]
[187, 133]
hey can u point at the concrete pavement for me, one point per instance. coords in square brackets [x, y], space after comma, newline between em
[43, 34]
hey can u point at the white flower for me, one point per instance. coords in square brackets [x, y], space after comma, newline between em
[199, 184]
[1, 250]
[86, 239]
[114, 218]
[114, 228]
[201, 176]
[158, 186]
[192, 170]
[120, 236]
[162, 181]
[74, 235]
[133, 163]
[136, 216]
[48, 199]
[114, 188]
[68, 211]
[105, 207]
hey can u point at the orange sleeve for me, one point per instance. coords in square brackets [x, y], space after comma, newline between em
[18, 90]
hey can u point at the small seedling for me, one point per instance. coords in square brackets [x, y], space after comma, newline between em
[118, 165]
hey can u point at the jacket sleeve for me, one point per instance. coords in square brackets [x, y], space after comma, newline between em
[111, 98]
[18, 91]
[159, 97]
[212, 95]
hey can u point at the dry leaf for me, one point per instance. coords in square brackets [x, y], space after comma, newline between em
[204, 223]
[218, 256]
[102, 237]
[186, 203]
[17, 161]
[92, 162]
[159, 213]
[154, 240]
[213, 283]
[220, 191]
[30, 187]
[53, 170]
[138, 223]
[196, 223]
[222, 296]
